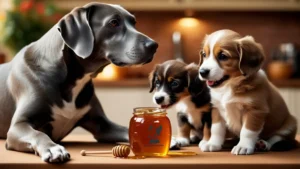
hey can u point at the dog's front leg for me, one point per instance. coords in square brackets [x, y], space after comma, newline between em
[252, 125]
[22, 137]
[101, 127]
[218, 132]
[184, 130]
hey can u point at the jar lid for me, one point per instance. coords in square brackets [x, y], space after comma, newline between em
[153, 111]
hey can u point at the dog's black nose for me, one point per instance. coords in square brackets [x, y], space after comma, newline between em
[151, 45]
[204, 72]
[159, 99]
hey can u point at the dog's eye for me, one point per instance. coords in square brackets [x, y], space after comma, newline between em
[174, 84]
[221, 56]
[114, 23]
[157, 83]
[203, 54]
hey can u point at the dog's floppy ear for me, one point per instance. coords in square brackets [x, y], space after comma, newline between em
[251, 55]
[152, 78]
[195, 85]
[77, 33]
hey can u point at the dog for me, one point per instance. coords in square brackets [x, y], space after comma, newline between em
[177, 83]
[47, 90]
[243, 98]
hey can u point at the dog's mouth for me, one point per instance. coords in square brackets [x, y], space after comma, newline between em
[165, 106]
[218, 82]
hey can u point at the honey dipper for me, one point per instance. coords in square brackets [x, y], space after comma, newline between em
[117, 151]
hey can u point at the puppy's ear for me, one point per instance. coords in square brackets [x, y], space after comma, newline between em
[77, 33]
[251, 55]
[195, 85]
[152, 78]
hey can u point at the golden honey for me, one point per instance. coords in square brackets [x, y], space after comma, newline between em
[150, 132]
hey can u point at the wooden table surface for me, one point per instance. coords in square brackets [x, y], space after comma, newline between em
[215, 160]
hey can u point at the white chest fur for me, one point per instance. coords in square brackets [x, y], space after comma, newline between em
[223, 96]
[193, 113]
[66, 117]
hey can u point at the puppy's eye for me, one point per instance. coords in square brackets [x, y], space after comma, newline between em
[174, 84]
[203, 54]
[222, 57]
[157, 83]
[114, 23]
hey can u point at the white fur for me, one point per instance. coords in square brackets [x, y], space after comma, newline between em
[161, 93]
[66, 117]
[217, 138]
[183, 141]
[247, 142]
[193, 113]
[216, 72]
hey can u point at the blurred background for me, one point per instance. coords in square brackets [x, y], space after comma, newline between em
[179, 27]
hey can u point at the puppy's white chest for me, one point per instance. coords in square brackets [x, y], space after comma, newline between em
[221, 97]
[64, 118]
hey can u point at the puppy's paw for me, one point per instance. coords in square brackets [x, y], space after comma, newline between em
[209, 146]
[241, 149]
[262, 145]
[202, 143]
[183, 142]
[55, 154]
[174, 144]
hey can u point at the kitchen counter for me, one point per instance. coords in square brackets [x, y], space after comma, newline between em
[75, 143]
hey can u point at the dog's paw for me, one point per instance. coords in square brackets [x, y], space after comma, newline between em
[183, 142]
[262, 145]
[55, 154]
[174, 144]
[202, 143]
[207, 146]
[241, 149]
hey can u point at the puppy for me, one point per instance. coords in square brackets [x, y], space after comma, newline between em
[178, 83]
[243, 98]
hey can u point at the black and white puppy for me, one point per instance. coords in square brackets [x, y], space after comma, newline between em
[175, 82]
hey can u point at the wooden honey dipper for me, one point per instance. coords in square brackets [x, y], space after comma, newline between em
[117, 151]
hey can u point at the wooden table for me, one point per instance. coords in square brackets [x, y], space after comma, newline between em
[217, 160]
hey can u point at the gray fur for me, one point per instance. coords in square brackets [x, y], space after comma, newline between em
[50, 79]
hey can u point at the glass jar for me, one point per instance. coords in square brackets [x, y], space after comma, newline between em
[150, 132]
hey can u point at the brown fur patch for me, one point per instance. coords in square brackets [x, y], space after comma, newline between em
[206, 132]
[215, 115]
[184, 131]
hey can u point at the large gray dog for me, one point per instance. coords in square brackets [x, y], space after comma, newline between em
[46, 90]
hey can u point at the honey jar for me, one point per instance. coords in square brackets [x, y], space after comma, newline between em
[150, 132]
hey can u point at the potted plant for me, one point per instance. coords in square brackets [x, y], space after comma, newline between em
[27, 21]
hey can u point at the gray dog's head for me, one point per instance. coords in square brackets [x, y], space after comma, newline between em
[98, 32]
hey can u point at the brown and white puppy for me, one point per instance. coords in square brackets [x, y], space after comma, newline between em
[178, 83]
[247, 102]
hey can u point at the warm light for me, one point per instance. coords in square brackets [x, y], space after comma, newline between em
[189, 22]
[108, 73]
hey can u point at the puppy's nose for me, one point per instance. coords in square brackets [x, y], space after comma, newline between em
[204, 72]
[159, 99]
[151, 45]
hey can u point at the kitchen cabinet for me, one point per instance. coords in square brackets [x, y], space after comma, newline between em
[202, 5]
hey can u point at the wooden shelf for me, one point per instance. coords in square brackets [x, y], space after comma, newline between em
[143, 82]
[203, 5]
[288, 83]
